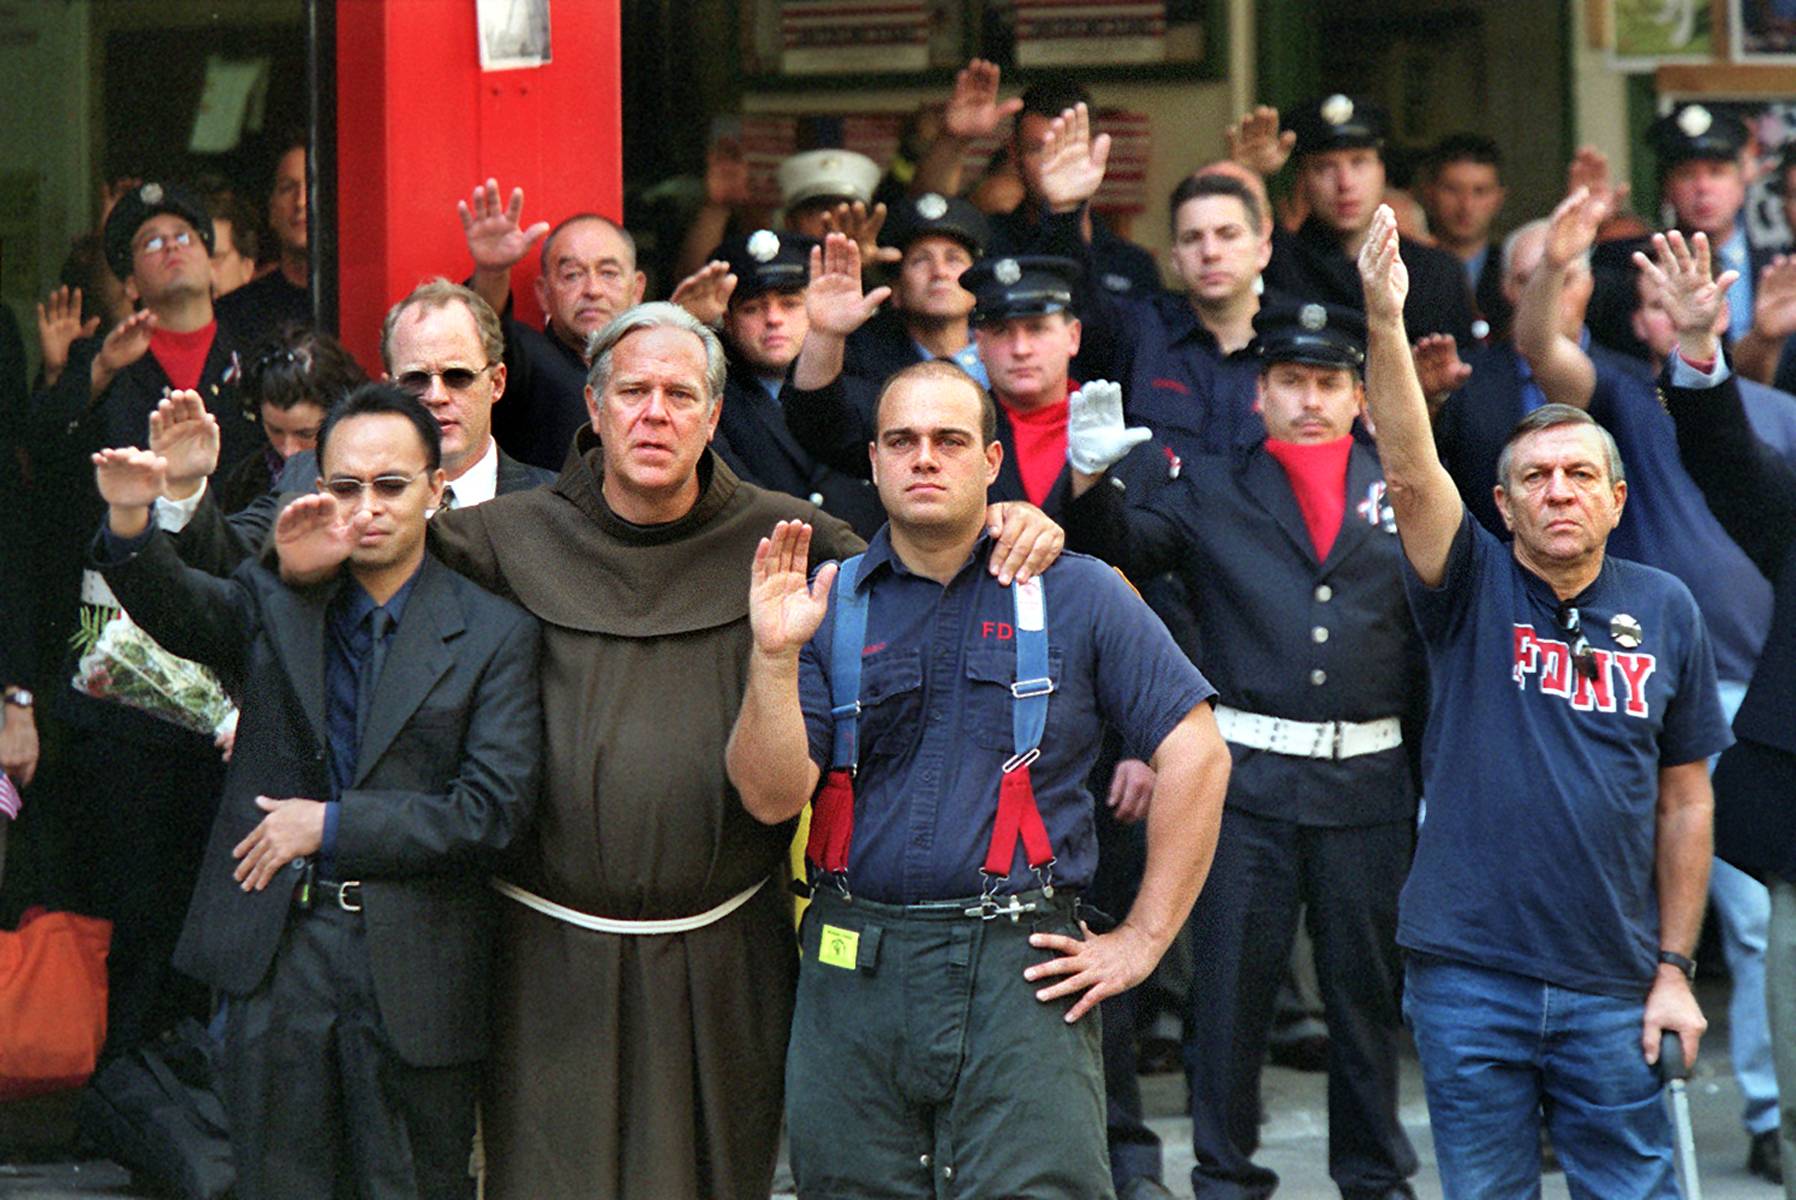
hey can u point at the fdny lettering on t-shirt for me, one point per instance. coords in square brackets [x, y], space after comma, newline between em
[1550, 660]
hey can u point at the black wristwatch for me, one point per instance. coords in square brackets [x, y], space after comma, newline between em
[19, 697]
[1686, 965]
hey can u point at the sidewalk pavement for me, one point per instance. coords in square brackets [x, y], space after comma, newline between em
[1294, 1141]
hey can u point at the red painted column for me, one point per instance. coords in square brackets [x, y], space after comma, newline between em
[419, 125]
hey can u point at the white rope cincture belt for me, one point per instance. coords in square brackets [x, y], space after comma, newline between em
[574, 916]
[1308, 739]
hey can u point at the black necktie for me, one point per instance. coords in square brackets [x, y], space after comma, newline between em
[448, 496]
[379, 622]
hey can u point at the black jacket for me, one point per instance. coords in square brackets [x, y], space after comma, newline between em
[1230, 529]
[760, 448]
[544, 403]
[1753, 495]
[1311, 265]
[447, 774]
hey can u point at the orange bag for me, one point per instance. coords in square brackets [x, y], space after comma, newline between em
[52, 1001]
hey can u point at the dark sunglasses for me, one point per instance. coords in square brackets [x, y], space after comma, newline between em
[456, 379]
[1571, 623]
[387, 487]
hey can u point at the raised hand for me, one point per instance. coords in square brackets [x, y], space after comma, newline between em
[1381, 270]
[1439, 366]
[706, 292]
[834, 301]
[1589, 168]
[726, 174]
[1256, 143]
[312, 537]
[974, 109]
[1679, 273]
[1072, 161]
[186, 436]
[854, 221]
[59, 323]
[128, 342]
[1096, 438]
[129, 478]
[1571, 230]
[783, 611]
[497, 240]
[1774, 299]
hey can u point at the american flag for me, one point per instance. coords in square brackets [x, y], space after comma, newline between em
[9, 797]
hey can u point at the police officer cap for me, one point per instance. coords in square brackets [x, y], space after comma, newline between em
[1692, 131]
[1324, 335]
[1338, 122]
[935, 214]
[1026, 285]
[140, 204]
[766, 261]
[827, 175]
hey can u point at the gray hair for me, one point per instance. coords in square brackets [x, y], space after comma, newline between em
[1540, 225]
[657, 314]
[1552, 416]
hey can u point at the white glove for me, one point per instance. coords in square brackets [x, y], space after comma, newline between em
[1095, 436]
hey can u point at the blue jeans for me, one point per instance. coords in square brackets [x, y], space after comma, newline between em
[1502, 1052]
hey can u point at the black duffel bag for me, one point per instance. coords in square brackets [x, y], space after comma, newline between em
[156, 1112]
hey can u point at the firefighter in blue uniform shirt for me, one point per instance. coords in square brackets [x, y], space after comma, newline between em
[1290, 558]
[763, 328]
[938, 1047]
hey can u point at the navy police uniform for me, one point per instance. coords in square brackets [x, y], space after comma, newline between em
[921, 1063]
[754, 439]
[884, 346]
[1319, 672]
[1312, 263]
[835, 422]
[1693, 132]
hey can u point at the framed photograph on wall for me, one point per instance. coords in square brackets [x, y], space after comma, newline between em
[1763, 31]
[1650, 33]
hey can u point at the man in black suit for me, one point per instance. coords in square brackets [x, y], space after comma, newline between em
[388, 752]
[1752, 493]
[443, 344]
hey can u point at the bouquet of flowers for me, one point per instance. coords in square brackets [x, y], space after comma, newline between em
[119, 661]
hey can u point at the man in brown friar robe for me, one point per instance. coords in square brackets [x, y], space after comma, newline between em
[647, 962]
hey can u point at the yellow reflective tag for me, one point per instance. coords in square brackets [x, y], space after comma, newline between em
[838, 947]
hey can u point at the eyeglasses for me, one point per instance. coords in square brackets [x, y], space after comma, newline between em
[349, 489]
[1571, 623]
[456, 379]
[161, 242]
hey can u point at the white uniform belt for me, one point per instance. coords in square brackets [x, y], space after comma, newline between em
[1308, 739]
[574, 916]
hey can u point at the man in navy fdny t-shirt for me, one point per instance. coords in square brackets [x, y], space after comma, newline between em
[1557, 889]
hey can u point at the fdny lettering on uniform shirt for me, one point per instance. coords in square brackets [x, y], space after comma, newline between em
[999, 630]
[1551, 662]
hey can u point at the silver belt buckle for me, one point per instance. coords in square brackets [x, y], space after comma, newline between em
[346, 901]
[988, 908]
